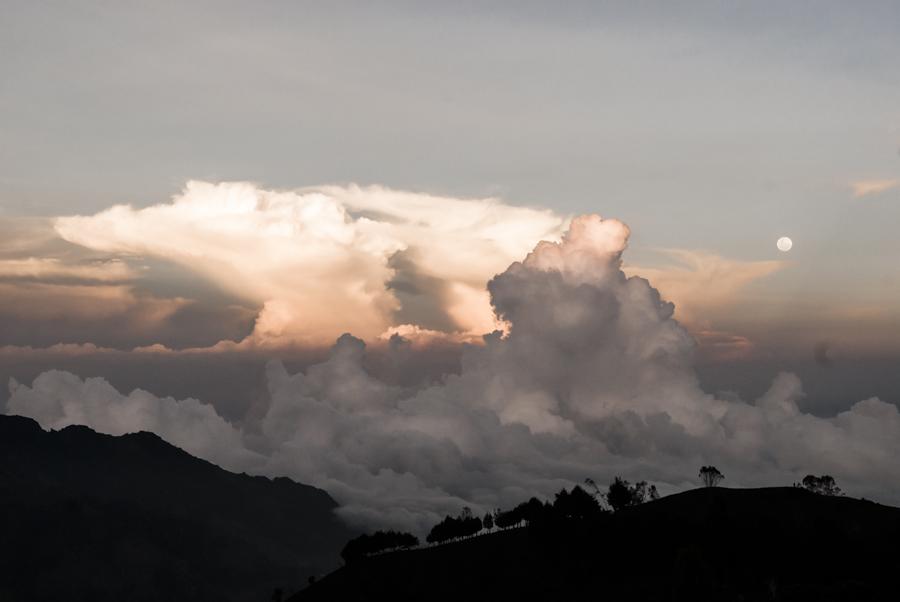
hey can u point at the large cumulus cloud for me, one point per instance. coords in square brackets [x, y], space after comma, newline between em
[233, 267]
[592, 378]
[322, 261]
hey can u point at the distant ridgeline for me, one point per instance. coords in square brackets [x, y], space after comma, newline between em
[801, 543]
[85, 516]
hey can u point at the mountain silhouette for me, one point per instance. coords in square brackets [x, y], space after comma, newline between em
[87, 516]
[712, 544]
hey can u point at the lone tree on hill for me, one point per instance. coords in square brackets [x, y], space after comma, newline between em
[488, 521]
[710, 476]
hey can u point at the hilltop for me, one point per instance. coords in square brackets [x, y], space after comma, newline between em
[706, 544]
[87, 516]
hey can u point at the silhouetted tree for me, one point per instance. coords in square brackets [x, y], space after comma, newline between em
[504, 519]
[468, 523]
[619, 494]
[379, 541]
[530, 511]
[488, 521]
[828, 486]
[710, 476]
[443, 531]
[592, 485]
[561, 503]
[824, 485]
[640, 492]
[575, 504]
[464, 525]
[622, 494]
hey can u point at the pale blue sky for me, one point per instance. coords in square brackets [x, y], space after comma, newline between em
[713, 126]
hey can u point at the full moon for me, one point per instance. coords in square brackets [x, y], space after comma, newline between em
[784, 244]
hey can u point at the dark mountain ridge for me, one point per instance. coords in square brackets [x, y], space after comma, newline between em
[87, 516]
[706, 544]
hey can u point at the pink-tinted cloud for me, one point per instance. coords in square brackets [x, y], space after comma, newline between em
[863, 188]
[318, 261]
[701, 283]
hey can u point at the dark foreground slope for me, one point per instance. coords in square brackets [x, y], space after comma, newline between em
[85, 516]
[711, 544]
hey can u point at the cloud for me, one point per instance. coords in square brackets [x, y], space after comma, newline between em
[718, 345]
[51, 268]
[868, 187]
[53, 291]
[59, 399]
[325, 260]
[235, 267]
[44, 312]
[23, 236]
[593, 378]
[702, 284]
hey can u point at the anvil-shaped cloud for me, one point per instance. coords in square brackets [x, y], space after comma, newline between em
[323, 261]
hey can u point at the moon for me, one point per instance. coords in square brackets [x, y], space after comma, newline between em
[784, 244]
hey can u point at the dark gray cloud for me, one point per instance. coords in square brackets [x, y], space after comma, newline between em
[422, 296]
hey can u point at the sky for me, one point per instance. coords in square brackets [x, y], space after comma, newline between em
[197, 201]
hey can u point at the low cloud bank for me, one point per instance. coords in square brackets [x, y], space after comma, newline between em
[593, 378]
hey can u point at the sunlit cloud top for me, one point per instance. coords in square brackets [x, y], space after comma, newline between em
[320, 262]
